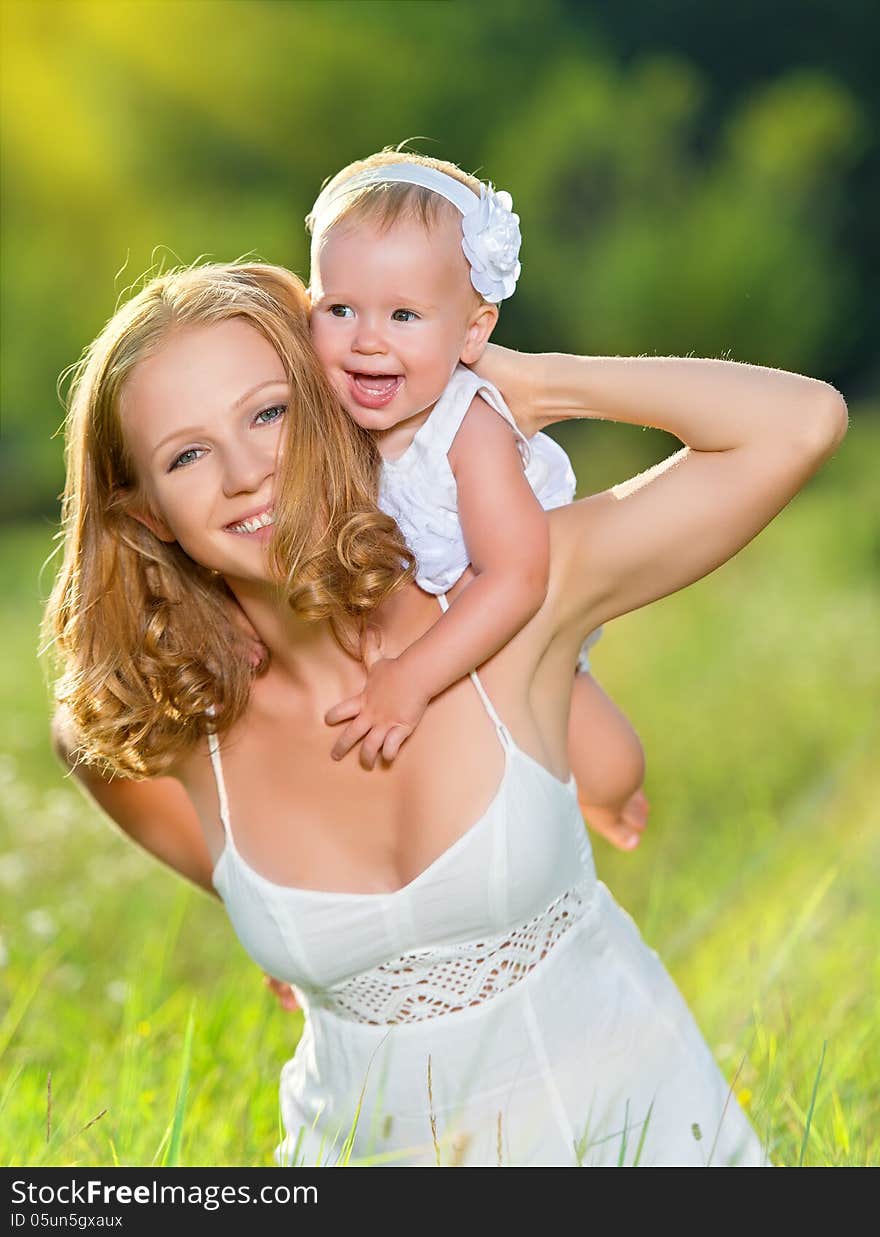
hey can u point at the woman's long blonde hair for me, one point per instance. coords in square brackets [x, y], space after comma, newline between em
[142, 635]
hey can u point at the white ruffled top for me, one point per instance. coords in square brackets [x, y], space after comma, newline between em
[419, 491]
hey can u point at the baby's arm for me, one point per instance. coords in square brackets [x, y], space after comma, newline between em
[507, 538]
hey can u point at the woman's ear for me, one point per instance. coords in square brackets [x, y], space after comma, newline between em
[480, 327]
[134, 506]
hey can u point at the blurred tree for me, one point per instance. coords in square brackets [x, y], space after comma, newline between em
[137, 135]
[740, 49]
[637, 245]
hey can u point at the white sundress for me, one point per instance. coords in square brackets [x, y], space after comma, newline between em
[418, 489]
[553, 1033]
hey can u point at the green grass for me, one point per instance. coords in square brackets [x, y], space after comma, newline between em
[755, 694]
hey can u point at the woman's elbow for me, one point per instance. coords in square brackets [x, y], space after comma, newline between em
[828, 421]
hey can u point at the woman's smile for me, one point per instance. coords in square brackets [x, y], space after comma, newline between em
[256, 524]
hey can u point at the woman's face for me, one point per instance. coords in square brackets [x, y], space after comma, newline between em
[203, 420]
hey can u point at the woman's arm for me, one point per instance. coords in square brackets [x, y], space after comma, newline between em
[754, 436]
[156, 813]
[709, 404]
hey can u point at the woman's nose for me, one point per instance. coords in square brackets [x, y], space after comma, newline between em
[246, 468]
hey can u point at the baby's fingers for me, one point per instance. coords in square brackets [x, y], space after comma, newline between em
[393, 741]
[372, 746]
[344, 710]
[352, 734]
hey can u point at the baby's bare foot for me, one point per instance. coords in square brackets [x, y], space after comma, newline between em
[622, 828]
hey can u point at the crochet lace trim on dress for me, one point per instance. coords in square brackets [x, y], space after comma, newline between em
[446, 979]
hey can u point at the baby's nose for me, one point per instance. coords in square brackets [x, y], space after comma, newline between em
[369, 338]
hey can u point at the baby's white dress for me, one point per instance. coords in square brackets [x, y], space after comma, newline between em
[500, 1008]
[418, 489]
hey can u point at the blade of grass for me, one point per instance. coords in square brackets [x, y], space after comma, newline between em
[163, 1143]
[173, 1153]
[812, 1104]
[23, 998]
[10, 1084]
[841, 1133]
[623, 1138]
[643, 1135]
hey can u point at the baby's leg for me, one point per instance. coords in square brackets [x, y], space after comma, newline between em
[608, 763]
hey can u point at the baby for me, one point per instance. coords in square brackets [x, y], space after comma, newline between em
[410, 257]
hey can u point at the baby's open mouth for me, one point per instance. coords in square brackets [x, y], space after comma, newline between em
[373, 390]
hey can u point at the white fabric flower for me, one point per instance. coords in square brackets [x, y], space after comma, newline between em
[491, 244]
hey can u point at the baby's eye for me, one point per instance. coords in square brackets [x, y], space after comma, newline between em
[404, 315]
[185, 457]
[268, 415]
[341, 311]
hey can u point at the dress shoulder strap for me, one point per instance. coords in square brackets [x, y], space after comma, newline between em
[503, 733]
[217, 766]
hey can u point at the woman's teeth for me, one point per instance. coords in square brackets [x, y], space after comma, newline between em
[254, 523]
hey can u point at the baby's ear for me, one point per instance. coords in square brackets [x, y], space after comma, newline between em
[480, 327]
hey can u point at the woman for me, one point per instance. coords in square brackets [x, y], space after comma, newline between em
[472, 993]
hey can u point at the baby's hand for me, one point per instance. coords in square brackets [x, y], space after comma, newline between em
[384, 714]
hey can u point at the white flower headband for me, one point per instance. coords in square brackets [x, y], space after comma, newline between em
[490, 230]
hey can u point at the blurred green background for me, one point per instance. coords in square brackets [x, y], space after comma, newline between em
[692, 179]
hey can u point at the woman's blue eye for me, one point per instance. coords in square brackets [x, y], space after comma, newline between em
[404, 315]
[271, 414]
[185, 457]
[341, 311]
[266, 416]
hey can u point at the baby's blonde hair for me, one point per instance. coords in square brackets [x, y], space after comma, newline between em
[383, 204]
[143, 634]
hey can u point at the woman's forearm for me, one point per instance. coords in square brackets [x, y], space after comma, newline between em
[710, 405]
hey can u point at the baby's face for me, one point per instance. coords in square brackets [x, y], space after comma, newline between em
[391, 317]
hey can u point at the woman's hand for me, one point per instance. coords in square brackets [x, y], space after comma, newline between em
[285, 994]
[516, 375]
